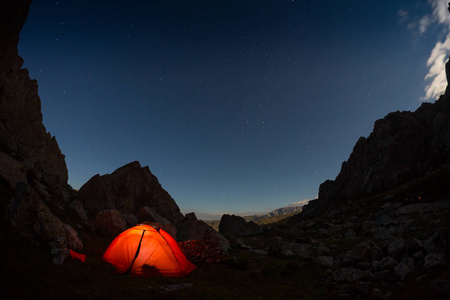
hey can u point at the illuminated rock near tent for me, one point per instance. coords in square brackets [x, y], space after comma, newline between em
[193, 229]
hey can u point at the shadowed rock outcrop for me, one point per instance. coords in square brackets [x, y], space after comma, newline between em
[129, 189]
[32, 167]
[193, 229]
[403, 146]
[22, 133]
[235, 226]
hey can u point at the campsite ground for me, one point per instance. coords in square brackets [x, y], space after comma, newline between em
[245, 276]
[30, 273]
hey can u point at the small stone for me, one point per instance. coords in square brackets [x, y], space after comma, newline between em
[349, 234]
[175, 287]
[327, 261]
[387, 263]
[440, 286]
[383, 219]
[405, 267]
[348, 274]
[395, 248]
[432, 260]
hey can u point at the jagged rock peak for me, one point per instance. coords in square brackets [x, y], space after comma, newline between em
[128, 189]
[403, 146]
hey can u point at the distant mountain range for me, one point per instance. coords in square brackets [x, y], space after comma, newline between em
[278, 214]
[270, 217]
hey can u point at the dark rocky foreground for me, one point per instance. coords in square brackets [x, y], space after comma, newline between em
[379, 230]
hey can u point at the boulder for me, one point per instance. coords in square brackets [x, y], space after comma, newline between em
[131, 220]
[349, 234]
[413, 245]
[324, 260]
[146, 214]
[203, 251]
[396, 247]
[30, 217]
[405, 267]
[11, 171]
[193, 229]
[432, 260]
[441, 286]
[386, 263]
[110, 223]
[78, 208]
[278, 247]
[236, 226]
[436, 243]
[169, 228]
[95, 197]
[366, 251]
[349, 275]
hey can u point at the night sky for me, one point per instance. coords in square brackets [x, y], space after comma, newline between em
[236, 106]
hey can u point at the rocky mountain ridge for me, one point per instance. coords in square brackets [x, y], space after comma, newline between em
[403, 146]
[277, 214]
[267, 218]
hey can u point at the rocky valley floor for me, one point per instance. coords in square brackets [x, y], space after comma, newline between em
[393, 245]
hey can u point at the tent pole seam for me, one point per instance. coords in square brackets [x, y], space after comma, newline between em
[176, 259]
[137, 253]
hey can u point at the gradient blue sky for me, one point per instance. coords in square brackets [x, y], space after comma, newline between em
[236, 106]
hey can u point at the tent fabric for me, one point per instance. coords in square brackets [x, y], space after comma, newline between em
[145, 251]
[75, 255]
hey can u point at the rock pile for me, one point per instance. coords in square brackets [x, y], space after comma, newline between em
[377, 244]
[203, 251]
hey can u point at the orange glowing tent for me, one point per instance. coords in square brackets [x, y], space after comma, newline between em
[145, 251]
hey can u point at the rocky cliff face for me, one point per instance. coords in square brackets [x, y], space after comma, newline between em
[32, 167]
[22, 134]
[403, 146]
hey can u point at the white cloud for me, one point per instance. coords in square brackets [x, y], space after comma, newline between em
[440, 13]
[403, 15]
[424, 23]
[436, 72]
[438, 57]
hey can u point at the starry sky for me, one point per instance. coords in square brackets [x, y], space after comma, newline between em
[235, 106]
